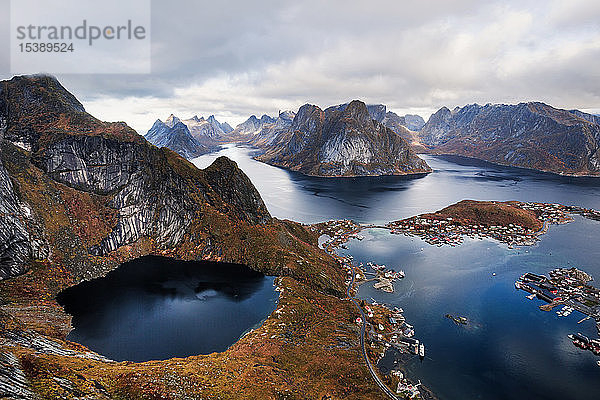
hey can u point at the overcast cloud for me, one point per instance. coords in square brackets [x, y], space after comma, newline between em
[237, 58]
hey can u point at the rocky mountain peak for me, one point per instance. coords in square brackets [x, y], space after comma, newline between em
[377, 111]
[343, 140]
[235, 188]
[171, 121]
[357, 111]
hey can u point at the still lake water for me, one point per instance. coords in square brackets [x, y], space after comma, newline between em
[511, 349]
[155, 308]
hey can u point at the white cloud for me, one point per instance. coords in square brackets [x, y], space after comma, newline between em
[412, 56]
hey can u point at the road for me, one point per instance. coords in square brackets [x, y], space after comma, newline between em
[363, 328]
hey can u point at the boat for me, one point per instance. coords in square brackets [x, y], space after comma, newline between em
[421, 350]
[517, 285]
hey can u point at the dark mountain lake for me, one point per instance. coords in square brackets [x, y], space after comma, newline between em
[510, 349]
[156, 308]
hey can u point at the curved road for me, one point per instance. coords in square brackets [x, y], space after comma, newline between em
[378, 380]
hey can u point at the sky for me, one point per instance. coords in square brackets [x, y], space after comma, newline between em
[238, 58]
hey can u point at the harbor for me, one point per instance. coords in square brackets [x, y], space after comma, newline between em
[570, 289]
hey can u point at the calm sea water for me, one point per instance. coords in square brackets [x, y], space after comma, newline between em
[156, 308]
[510, 349]
[382, 199]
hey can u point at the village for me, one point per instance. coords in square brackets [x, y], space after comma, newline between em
[451, 231]
[387, 326]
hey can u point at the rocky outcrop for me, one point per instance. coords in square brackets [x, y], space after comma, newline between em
[235, 188]
[402, 125]
[13, 383]
[21, 238]
[27, 107]
[123, 171]
[529, 135]
[175, 135]
[342, 141]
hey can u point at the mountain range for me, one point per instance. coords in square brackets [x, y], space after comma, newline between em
[388, 153]
[189, 138]
[530, 135]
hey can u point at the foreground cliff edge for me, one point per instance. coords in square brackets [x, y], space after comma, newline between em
[80, 196]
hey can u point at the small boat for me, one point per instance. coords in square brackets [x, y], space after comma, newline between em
[517, 285]
[421, 350]
[598, 363]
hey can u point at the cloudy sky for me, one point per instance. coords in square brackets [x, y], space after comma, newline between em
[237, 58]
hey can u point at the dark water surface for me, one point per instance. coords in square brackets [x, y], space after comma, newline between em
[157, 308]
[383, 199]
[510, 349]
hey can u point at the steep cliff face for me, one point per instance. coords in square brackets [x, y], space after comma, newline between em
[94, 194]
[15, 248]
[342, 141]
[402, 125]
[529, 135]
[134, 178]
[176, 136]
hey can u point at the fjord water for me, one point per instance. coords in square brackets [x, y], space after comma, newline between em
[293, 195]
[510, 349]
[156, 308]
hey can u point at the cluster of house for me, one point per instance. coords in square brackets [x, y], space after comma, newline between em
[447, 231]
[405, 388]
[336, 233]
[441, 232]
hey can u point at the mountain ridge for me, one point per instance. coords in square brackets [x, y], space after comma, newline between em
[530, 135]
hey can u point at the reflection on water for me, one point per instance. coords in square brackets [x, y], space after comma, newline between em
[158, 308]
